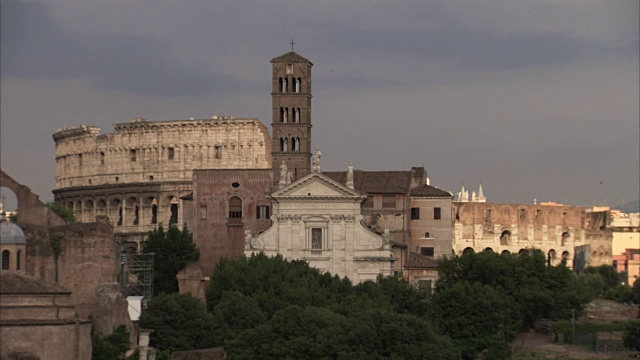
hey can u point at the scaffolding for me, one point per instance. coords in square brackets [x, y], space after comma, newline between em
[136, 275]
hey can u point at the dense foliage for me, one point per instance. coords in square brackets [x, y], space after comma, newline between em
[110, 347]
[481, 300]
[270, 308]
[264, 308]
[179, 321]
[173, 250]
[64, 212]
[631, 339]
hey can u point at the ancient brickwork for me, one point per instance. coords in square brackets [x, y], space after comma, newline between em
[137, 175]
[556, 230]
[226, 203]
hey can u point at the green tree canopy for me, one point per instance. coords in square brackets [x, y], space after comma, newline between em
[64, 212]
[173, 250]
[179, 321]
[110, 347]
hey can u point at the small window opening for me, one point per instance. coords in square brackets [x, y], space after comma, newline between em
[235, 208]
[415, 213]
[316, 241]
[218, 152]
[171, 153]
[426, 251]
[504, 237]
[235, 185]
[154, 211]
[437, 213]
[262, 212]
[120, 216]
[133, 155]
[102, 156]
[427, 235]
[6, 258]
[289, 69]
[18, 259]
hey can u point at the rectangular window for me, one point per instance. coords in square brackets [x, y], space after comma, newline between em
[132, 154]
[203, 212]
[424, 286]
[415, 213]
[316, 241]
[389, 201]
[218, 152]
[427, 235]
[171, 153]
[262, 212]
[101, 158]
[426, 251]
[437, 213]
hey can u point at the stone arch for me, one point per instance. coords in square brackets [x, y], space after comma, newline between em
[505, 252]
[33, 211]
[468, 250]
[6, 259]
[523, 252]
[551, 257]
[488, 249]
[174, 208]
[235, 208]
[566, 255]
[505, 237]
[153, 204]
[564, 238]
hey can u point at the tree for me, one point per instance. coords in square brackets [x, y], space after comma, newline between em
[179, 321]
[609, 275]
[173, 250]
[476, 317]
[110, 347]
[64, 212]
[631, 338]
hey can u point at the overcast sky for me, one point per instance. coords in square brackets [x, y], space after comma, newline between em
[535, 99]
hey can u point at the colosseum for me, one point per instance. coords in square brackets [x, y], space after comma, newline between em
[140, 175]
[560, 231]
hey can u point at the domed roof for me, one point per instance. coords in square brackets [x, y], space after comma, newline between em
[11, 233]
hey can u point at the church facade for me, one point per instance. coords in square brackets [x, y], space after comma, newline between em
[319, 220]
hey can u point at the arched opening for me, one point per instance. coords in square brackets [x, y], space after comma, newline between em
[505, 252]
[235, 209]
[135, 210]
[296, 115]
[101, 208]
[468, 251]
[88, 213]
[551, 257]
[174, 211]
[488, 249]
[18, 259]
[284, 144]
[565, 255]
[523, 252]
[6, 259]
[504, 237]
[284, 115]
[565, 238]
[154, 211]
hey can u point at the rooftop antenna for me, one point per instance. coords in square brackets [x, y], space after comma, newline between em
[292, 43]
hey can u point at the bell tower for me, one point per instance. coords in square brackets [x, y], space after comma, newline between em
[291, 103]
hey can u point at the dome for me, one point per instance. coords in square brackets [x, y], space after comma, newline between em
[11, 233]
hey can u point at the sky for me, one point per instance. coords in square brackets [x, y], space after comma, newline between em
[534, 99]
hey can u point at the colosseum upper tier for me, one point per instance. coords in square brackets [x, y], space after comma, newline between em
[137, 175]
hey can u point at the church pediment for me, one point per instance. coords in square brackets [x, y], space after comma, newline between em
[315, 185]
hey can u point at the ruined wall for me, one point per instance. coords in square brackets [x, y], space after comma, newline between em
[32, 210]
[556, 230]
[78, 257]
[137, 175]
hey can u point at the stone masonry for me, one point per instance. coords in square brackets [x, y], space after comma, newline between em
[137, 175]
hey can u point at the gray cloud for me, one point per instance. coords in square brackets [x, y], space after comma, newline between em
[34, 46]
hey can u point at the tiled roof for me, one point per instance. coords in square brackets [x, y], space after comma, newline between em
[417, 261]
[18, 282]
[290, 57]
[427, 190]
[376, 182]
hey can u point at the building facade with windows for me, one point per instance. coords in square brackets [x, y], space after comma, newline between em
[319, 220]
[138, 176]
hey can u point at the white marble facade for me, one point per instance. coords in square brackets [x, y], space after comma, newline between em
[319, 220]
